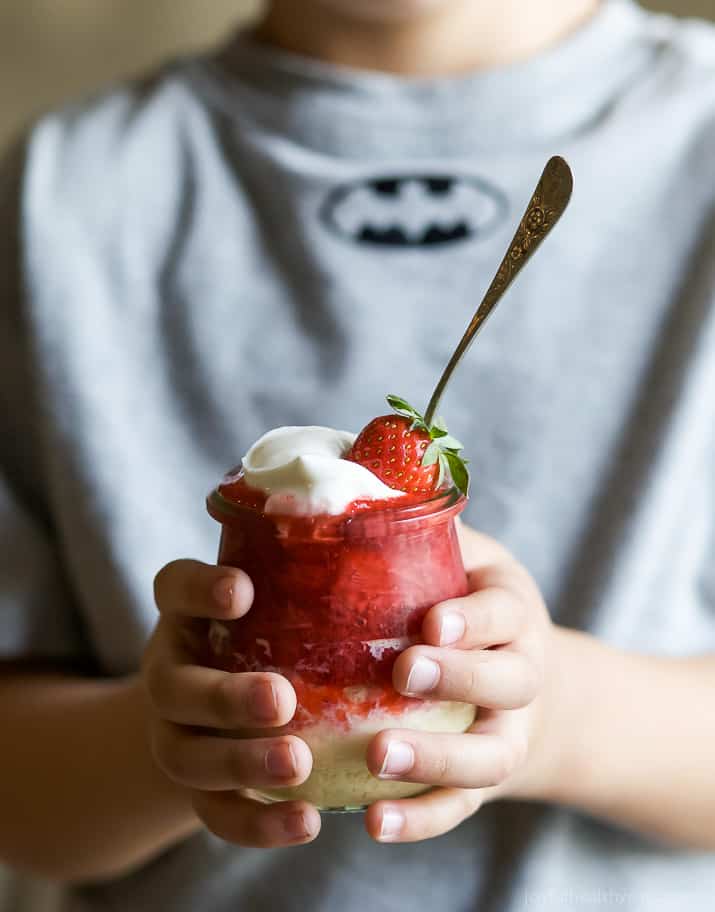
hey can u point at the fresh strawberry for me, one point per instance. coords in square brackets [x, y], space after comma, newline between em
[406, 454]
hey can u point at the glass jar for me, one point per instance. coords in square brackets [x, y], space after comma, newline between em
[337, 599]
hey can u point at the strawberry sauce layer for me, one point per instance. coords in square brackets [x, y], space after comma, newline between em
[235, 490]
[337, 598]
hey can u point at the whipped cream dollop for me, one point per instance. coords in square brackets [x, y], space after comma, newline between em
[302, 472]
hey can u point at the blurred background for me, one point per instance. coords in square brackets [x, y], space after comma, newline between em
[54, 50]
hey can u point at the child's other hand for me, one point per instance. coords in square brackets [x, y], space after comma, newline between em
[187, 701]
[488, 648]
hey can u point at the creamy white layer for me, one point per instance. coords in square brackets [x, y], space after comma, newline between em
[340, 778]
[303, 472]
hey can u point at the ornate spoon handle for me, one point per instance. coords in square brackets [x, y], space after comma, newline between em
[547, 205]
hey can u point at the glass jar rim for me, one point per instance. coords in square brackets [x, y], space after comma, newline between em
[447, 502]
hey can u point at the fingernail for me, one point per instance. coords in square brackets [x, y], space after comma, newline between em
[223, 593]
[295, 825]
[423, 676]
[263, 704]
[399, 758]
[451, 629]
[391, 826]
[280, 761]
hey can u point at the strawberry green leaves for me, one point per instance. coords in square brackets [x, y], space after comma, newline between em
[402, 407]
[443, 448]
[457, 469]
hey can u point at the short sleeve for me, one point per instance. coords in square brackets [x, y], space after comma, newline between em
[38, 619]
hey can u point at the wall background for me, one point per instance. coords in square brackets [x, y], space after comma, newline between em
[52, 50]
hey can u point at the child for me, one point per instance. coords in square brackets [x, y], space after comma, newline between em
[282, 233]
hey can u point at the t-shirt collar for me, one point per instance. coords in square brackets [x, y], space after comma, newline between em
[363, 114]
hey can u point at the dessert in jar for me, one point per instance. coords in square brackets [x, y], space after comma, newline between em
[349, 542]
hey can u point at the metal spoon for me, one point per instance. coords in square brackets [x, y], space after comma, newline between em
[547, 205]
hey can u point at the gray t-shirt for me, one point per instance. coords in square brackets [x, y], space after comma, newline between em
[253, 239]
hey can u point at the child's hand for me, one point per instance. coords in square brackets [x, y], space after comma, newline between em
[488, 649]
[187, 701]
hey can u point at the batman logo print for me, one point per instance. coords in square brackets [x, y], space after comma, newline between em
[423, 210]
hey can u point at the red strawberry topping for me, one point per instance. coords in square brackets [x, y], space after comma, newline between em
[406, 454]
